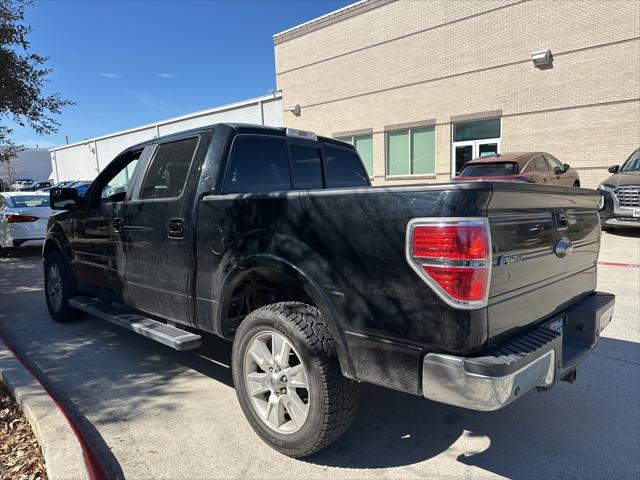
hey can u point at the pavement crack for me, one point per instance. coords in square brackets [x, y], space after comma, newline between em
[615, 358]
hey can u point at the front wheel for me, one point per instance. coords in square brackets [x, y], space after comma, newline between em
[288, 379]
[58, 289]
[576, 184]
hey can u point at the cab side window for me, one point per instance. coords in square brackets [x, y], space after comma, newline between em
[258, 164]
[344, 168]
[167, 174]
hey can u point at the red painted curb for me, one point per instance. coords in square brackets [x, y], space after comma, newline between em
[616, 264]
[93, 465]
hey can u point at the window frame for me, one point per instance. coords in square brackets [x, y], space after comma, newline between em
[144, 171]
[353, 144]
[410, 149]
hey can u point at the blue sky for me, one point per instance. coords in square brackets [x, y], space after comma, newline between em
[129, 63]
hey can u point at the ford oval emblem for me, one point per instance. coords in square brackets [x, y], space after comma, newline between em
[564, 247]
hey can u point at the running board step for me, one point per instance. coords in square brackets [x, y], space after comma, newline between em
[166, 334]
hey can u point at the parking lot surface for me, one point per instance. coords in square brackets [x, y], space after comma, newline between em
[152, 412]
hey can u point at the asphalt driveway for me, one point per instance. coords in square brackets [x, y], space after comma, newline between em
[156, 413]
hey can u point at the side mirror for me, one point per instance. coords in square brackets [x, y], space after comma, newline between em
[566, 167]
[614, 168]
[63, 199]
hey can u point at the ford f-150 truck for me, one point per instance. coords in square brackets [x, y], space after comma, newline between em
[470, 294]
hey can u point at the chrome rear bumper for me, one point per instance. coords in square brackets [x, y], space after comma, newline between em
[536, 358]
[444, 379]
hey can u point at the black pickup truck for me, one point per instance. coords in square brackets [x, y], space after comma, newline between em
[470, 293]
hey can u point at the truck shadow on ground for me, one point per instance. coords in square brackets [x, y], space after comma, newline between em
[556, 433]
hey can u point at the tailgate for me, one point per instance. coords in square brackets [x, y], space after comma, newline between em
[545, 243]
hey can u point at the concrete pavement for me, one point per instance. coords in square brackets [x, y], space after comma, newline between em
[156, 413]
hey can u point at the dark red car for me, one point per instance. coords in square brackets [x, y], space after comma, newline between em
[533, 167]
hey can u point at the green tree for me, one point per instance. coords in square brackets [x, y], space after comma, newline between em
[22, 78]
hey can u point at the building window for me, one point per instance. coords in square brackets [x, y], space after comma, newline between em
[476, 130]
[411, 152]
[473, 139]
[364, 147]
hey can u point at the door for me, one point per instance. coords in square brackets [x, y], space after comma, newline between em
[543, 173]
[462, 153]
[156, 231]
[465, 151]
[96, 232]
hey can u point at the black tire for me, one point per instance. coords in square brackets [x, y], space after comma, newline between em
[60, 311]
[3, 252]
[576, 184]
[332, 398]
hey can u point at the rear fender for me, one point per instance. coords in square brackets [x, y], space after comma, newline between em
[311, 288]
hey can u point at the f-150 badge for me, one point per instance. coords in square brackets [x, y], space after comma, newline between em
[507, 259]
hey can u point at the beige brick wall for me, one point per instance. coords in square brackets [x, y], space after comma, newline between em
[585, 110]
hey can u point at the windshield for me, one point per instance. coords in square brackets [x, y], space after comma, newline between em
[24, 201]
[489, 170]
[633, 162]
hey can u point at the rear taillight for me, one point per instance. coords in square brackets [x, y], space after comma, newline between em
[453, 256]
[15, 218]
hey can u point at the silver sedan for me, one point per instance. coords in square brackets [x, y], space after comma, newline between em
[23, 219]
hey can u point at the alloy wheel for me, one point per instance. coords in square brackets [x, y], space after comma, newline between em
[277, 382]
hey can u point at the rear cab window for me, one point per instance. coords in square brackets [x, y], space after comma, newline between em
[264, 163]
[306, 167]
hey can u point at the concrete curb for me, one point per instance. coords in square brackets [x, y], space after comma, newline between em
[62, 451]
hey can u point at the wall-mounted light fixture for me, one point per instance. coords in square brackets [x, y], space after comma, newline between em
[542, 59]
[295, 109]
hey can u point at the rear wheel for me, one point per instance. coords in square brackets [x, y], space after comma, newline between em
[58, 289]
[3, 252]
[288, 379]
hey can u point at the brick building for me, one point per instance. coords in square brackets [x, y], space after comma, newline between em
[422, 86]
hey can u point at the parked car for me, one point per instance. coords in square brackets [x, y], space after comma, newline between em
[621, 195]
[80, 186]
[23, 219]
[58, 185]
[470, 293]
[532, 167]
[18, 183]
[35, 186]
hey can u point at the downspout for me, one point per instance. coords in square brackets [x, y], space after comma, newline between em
[95, 152]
